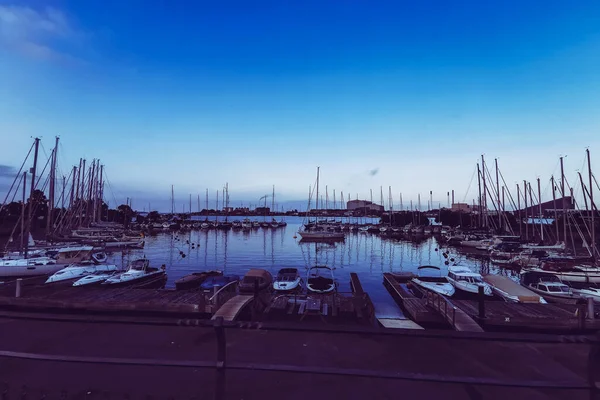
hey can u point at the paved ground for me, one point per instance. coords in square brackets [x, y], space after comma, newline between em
[446, 358]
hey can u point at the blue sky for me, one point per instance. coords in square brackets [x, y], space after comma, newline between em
[197, 94]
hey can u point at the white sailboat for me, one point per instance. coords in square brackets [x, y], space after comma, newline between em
[318, 232]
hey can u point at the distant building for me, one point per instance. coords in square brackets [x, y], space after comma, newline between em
[262, 210]
[464, 207]
[549, 206]
[363, 205]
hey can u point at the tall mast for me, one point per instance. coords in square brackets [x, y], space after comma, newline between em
[500, 225]
[23, 212]
[334, 201]
[81, 194]
[273, 199]
[431, 199]
[198, 203]
[64, 184]
[30, 213]
[172, 200]
[540, 208]
[554, 206]
[207, 202]
[480, 213]
[51, 188]
[401, 206]
[381, 194]
[526, 221]
[190, 204]
[317, 188]
[519, 211]
[592, 212]
[564, 205]
[73, 188]
[484, 200]
[101, 194]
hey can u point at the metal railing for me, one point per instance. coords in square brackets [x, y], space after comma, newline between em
[221, 296]
[443, 306]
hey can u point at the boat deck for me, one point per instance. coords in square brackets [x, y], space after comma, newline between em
[512, 288]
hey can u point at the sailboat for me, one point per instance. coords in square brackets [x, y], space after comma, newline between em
[315, 231]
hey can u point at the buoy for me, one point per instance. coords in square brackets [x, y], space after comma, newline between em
[446, 262]
[436, 249]
[295, 236]
[183, 256]
[452, 259]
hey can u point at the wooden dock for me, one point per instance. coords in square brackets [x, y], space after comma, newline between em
[415, 307]
[103, 299]
[233, 307]
[456, 317]
[501, 315]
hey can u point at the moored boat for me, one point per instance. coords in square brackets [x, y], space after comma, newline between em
[467, 282]
[548, 286]
[320, 279]
[77, 271]
[438, 284]
[287, 280]
[255, 279]
[139, 272]
[194, 280]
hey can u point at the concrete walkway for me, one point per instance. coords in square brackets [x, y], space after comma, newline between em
[275, 349]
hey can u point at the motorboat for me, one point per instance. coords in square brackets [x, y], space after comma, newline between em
[467, 282]
[139, 272]
[592, 292]
[510, 291]
[77, 271]
[236, 225]
[193, 280]
[95, 278]
[256, 279]
[437, 284]
[246, 224]
[320, 279]
[548, 286]
[216, 282]
[287, 280]
[99, 257]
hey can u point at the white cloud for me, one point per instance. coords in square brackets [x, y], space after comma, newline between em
[39, 34]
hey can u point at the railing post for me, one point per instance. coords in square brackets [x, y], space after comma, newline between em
[18, 287]
[221, 359]
[481, 300]
[594, 368]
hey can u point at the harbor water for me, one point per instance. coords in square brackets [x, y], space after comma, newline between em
[236, 251]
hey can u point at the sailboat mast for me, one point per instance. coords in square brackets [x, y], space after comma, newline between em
[498, 195]
[23, 212]
[592, 212]
[480, 213]
[540, 208]
[526, 221]
[73, 188]
[30, 213]
[554, 206]
[172, 200]
[564, 206]
[519, 211]
[317, 188]
[484, 200]
[273, 200]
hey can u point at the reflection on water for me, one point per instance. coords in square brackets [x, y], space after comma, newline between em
[235, 252]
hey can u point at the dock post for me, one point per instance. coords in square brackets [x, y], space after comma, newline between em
[590, 308]
[18, 287]
[594, 368]
[481, 301]
[221, 359]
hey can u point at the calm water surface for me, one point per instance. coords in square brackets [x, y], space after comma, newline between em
[235, 252]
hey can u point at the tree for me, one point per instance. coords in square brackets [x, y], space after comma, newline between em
[153, 216]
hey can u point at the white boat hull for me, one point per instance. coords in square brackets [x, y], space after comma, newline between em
[29, 267]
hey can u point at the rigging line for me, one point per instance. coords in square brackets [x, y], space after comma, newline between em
[17, 178]
[39, 177]
[470, 182]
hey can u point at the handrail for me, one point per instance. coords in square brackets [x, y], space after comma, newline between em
[232, 283]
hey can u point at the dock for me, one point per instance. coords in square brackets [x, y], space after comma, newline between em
[501, 315]
[455, 316]
[414, 306]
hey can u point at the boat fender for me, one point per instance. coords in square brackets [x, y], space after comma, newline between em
[446, 262]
